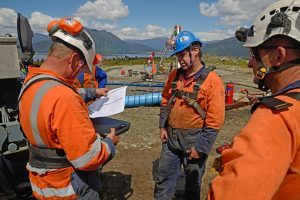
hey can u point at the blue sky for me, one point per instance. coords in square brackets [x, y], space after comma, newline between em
[138, 19]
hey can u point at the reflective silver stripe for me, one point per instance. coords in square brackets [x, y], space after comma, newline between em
[52, 192]
[33, 79]
[25, 85]
[87, 93]
[82, 92]
[35, 108]
[94, 150]
[107, 147]
[39, 171]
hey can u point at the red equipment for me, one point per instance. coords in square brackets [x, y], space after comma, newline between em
[229, 93]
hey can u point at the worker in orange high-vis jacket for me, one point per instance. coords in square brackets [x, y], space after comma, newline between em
[192, 112]
[264, 160]
[65, 150]
[92, 85]
[97, 79]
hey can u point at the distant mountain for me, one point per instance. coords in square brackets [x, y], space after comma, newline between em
[37, 37]
[228, 47]
[42, 46]
[211, 42]
[158, 44]
[106, 43]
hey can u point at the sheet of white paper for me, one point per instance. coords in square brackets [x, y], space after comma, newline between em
[112, 104]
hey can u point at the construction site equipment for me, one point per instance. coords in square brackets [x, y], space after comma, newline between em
[13, 144]
[170, 44]
[229, 93]
[137, 84]
[151, 99]
[11, 138]
[150, 68]
[217, 164]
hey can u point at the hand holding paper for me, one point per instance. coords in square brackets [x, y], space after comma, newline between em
[111, 104]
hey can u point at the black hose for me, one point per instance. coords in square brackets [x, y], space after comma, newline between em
[241, 84]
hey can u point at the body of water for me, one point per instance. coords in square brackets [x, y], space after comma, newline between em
[40, 56]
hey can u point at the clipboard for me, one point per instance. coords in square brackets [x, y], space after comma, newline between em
[103, 124]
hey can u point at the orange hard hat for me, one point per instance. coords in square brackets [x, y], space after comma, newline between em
[98, 58]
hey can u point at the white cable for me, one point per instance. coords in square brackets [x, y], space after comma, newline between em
[4, 115]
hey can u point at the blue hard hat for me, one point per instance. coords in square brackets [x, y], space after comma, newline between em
[183, 40]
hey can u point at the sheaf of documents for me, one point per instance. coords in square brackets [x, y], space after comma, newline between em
[112, 104]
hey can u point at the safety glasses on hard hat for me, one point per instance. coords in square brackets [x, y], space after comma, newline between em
[183, 53]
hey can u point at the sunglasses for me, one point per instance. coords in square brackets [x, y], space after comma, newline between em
[182, 54]
[254, 50]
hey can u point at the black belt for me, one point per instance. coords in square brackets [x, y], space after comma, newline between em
[48, 158]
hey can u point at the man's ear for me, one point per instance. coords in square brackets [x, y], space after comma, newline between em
[279, 56]
[74, 60]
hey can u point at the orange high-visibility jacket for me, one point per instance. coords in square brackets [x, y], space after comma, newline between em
[211, 98]
[89, 80]
[264, 161]
[54, 116]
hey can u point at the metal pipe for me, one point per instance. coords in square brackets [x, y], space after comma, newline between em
[136, 84]
[151, 99]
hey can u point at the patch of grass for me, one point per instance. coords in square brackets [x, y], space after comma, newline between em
[208, 59]
[134, 61]
[225, 61]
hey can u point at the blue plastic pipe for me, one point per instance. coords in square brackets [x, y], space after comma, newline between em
[151, 99]
[136, 84]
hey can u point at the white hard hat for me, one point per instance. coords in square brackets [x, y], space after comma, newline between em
[280, 18]
[70, 31]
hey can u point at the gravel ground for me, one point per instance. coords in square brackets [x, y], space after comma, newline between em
[131, 174]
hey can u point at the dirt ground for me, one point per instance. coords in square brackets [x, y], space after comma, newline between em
[131, 174]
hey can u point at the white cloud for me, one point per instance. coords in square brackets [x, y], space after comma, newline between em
[103, 9]
[39, 22]
[8, 21]
[150, 31]
[128, 32]
[102, 26]
[233, 19]
[215, 35]
[155, 31]
[208, 10]
[234, 12]
[84, 22]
